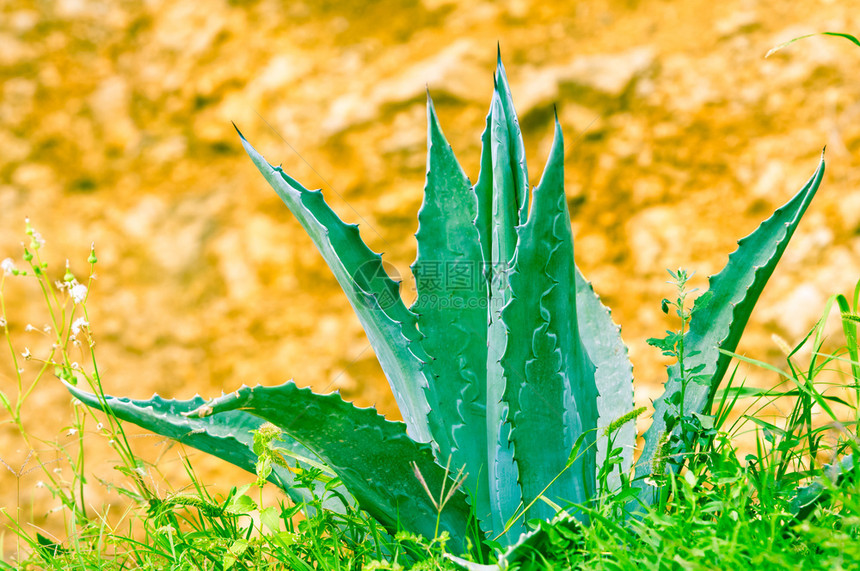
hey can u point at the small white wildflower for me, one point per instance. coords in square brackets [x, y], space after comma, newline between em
[40, 484]
[77, 402]
[78, 292]
[60, 285]
[72, 432]
[30, 328]
[46, 329]
[78, 324]
[99, 426]
[26, 354]
[38, 241]
[20, 370]
[2, 322]
[57, 470]
[8, 266]
[111, 442]
[76, 366]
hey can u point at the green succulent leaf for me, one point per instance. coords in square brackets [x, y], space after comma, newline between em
[505, 495]
[460, 563]
[390, 327]
[517, 148]
[373, 457]
[717, 325]
[818, 492]
[228, 436]
[452, 314]
[550, 386]
[529, 551]
[483, 190]
[614, 374]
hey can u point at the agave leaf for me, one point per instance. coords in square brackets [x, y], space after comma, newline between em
[808, 497]
[515, 138]
[614, 375]
[226, 436]
[460, 563]
[505, 495]
[719, 324]
[529, 550]
[550, 385]
[390, 327]
[374, 457]
[483, 190]
[452, 315]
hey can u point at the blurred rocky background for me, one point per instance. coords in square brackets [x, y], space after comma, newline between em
[115, 128]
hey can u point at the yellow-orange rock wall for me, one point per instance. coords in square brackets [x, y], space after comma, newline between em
[115, 128]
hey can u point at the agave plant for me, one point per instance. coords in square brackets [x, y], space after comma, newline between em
[504, 369]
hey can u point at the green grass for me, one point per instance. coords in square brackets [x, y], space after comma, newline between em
[724, 509]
